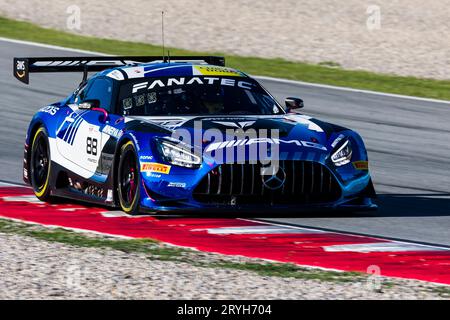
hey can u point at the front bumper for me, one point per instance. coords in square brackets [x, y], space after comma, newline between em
[353, 205]
[314, 188]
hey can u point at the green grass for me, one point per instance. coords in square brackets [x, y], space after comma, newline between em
[443, 292]
[292, 271]
[146, 246]
[155, 250]
[327, 73]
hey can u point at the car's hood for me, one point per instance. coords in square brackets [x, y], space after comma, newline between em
[289, 135]
[294, 126]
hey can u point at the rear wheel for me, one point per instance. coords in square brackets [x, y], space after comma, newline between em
[40, 165]
[128, 179]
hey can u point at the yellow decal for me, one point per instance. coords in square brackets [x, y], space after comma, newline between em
[155, 167]
[216, 71]
[361, 165]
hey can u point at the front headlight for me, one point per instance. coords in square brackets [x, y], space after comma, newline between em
[177, 155]
[343, 155]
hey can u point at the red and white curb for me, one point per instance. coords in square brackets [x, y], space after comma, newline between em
[255, 239]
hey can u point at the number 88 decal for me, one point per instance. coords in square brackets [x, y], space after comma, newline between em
[91, 146]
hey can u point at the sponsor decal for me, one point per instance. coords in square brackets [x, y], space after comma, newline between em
[128, 103]
[177, 184]
[139, 100]
[52, 110]
[247, 142]
[153, 175]
[21, 68]
[161, 83]
[155, 167]
[361, 165]
[115, 74]
[152, 98]
[231, 118]
[146, 158]
[114, 132]
[216, 71]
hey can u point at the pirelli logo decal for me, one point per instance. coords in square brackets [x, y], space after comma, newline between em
[155, 167]
[361, 165]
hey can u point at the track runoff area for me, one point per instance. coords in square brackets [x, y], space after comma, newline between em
[244, 237]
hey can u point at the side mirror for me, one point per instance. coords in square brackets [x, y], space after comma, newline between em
[89, 104]
[293, 103]
[94, 105]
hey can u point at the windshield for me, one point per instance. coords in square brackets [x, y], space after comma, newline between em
[195, 95]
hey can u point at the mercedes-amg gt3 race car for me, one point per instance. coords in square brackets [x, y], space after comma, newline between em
[183, 134]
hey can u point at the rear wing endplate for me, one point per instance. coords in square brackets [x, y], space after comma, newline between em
[24, 66]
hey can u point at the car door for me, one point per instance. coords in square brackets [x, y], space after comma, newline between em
[80, 137]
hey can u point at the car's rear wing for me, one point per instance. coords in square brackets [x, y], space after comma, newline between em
[24, 66]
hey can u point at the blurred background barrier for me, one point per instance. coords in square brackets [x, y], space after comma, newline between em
[404, 37]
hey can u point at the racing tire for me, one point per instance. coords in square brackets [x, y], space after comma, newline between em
[40, 165]
[128, 179]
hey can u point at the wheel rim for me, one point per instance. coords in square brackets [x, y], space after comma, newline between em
[128, 179]
[40, 163]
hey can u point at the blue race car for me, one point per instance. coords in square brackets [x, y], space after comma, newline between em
[186, 134]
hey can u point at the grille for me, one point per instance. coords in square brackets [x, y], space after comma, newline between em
[306, 183]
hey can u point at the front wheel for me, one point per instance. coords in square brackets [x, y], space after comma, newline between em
[40, 165]
[128, 179]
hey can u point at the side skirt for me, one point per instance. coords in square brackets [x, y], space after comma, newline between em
[66, 184]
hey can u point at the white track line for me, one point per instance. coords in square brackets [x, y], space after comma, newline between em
[346, 234]
[301, 83]
[7, 184]
[49, 46]
[260, 230]
[326, 86]
[375, 247]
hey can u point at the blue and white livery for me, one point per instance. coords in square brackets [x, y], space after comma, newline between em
[146, 134]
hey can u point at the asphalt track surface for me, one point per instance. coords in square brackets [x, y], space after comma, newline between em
[408, 142]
